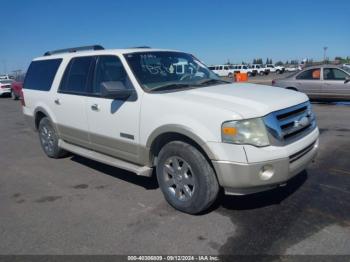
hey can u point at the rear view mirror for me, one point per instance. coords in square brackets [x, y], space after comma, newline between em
[347, 80]
[115, 90]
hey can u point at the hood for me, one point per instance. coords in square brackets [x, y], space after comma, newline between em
[247, 100]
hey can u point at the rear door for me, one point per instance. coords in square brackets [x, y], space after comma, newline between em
[309, 82]
[334, 84]
[69, 102]
[113, 124]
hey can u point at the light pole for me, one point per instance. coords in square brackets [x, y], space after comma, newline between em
[324, 53]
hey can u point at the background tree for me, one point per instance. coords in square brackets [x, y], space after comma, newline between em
[279, 63]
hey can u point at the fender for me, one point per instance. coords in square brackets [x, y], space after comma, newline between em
[44, 111]
[183, 130]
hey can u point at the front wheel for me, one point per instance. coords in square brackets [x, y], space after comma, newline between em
[187, 180]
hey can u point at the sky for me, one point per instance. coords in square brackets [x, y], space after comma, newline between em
[214, 31]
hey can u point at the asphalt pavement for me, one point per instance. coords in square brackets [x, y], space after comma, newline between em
[78, 206]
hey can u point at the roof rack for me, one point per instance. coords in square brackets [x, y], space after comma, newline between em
[74, 49]
[135, 47]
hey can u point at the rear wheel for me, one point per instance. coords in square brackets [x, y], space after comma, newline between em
[13, 95]
[229, 75]
[187, 180]
[49, 139]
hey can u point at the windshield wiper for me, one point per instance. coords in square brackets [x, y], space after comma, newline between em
[170, 87]
[211, 81]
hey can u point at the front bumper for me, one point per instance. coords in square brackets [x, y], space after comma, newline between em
[247, 178]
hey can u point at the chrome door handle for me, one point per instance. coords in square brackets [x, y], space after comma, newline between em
[57, 101]
[95, 107]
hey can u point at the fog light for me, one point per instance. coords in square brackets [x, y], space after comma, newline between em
[266, 172]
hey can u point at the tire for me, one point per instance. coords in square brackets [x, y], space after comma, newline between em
[13, 95]
[249, 74]
[49, 139]
[194, 187]
[229, 75]
[278, 71]
[262, 73]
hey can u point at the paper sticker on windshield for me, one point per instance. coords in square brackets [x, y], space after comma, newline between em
[171, 69]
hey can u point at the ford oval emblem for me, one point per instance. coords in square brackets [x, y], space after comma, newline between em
[302, 122]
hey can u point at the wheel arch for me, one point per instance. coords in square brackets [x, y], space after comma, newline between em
[292, 88]
[168, 133]
[39, 113]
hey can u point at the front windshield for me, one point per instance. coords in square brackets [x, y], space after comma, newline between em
[155, 70]
[347, 69]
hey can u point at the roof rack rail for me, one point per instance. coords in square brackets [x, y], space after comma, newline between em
[74, 49]
[146, 47]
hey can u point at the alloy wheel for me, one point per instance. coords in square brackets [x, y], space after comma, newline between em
[179, 179]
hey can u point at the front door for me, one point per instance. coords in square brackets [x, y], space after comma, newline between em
[335, 85]
[113, 124]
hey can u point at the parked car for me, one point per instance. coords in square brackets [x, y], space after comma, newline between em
[5, 86]
[292, 68]
[222, 70]
[245, 69]
[275, 69]
[129, 108]
[6, 77]
[326, 82]
[16, 87]
[260, 69]
[346, 66]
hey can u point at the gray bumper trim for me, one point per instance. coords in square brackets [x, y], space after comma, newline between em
[240, 178]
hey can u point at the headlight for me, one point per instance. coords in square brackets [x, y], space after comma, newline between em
[250, 131]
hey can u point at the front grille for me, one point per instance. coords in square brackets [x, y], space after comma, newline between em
[301, 153]
[288, 125]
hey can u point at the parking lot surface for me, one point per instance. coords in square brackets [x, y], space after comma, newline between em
[78, 206]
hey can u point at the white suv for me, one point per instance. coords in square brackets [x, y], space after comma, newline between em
[275, 69]
[260, 69]
[134, 109]
[222, 70]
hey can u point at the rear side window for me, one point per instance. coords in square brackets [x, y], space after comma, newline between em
[75, 78]
[311, 74]
[41, 74]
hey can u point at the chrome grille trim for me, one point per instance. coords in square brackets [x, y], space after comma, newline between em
[290, 124]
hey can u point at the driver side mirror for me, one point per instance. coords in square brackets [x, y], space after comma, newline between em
[347, 80]
[115, 90]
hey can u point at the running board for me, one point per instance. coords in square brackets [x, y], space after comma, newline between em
[138, 170]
